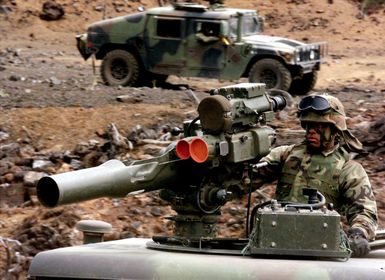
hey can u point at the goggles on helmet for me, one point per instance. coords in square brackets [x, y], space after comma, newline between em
[315, 103]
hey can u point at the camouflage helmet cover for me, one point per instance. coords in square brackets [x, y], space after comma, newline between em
[336, 114]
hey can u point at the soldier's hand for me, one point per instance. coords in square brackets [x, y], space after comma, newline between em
[358, 242]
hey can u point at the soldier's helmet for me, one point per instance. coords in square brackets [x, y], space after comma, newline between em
[322, 108]
[327, 109]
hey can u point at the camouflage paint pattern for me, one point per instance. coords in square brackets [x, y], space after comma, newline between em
[114, 31]
[133, 259]
[344, 182]
[229, 57]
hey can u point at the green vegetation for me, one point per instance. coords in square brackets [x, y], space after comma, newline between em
[3, 93]
[371, 5]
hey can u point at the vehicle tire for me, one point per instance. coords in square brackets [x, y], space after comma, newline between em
[271, 72]
[302, 86]
[120, 68]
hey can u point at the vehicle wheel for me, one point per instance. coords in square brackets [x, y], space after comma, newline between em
[120, 68]
[303, 85]
[271, 72]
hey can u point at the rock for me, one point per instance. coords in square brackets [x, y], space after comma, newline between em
[53, 81]
[152, 149]
[11, 194]
[41, 163]
[5, 9]
[99, 8]
[15, 78]
[3, 135]
[136, 225]
[116, 139]
[9, 177]
[11, 149]
[65, 167]
[31, 177]
[156, 211]
[129, 99]
[52, 11]
[76, 164]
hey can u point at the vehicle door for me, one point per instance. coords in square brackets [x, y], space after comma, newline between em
[165, 44]
[206, 52]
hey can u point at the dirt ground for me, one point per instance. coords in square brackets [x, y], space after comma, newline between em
[49, 95]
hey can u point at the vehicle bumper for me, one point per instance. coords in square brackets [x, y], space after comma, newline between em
[81, 43]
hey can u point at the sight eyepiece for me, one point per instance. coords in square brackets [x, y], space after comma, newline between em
[279, 102]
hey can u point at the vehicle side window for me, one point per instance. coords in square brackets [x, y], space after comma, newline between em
[251, 25]
[208, 28]
[233, 26]
[169, 28]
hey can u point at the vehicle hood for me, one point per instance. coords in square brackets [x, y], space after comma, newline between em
[278, 43]
[117, 21]
[132, 259]
[106, 22]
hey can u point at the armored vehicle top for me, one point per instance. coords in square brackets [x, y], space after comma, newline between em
[194, 40]
[197, 175]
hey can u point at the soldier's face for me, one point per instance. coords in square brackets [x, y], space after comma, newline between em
[315, 133]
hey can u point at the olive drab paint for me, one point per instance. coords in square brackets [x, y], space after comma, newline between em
[192, 40]
[197, 175]
[333, 174]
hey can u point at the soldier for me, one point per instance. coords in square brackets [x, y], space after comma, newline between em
[208, 33]
[322, 162]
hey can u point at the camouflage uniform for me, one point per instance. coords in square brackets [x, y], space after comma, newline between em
[205, 38]
[344, 182]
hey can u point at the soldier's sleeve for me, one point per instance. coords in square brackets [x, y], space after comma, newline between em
[358, 198]
[206, 39]
[275, 159]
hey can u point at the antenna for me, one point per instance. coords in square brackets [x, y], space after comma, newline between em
[104, 9]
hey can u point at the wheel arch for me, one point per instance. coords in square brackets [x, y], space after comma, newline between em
[106, 48]
[291, 68]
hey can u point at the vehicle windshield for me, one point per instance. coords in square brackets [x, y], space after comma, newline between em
[135, 17]
[250, 25]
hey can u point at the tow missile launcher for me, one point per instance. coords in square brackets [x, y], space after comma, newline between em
[198, 174]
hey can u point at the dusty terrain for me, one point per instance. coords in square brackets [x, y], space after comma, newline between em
[50, 101]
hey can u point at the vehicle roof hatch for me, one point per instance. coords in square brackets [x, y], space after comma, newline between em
[192, 7]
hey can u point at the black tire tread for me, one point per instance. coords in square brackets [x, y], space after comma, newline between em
[277, 67]
[302, 86]
[132, 62]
